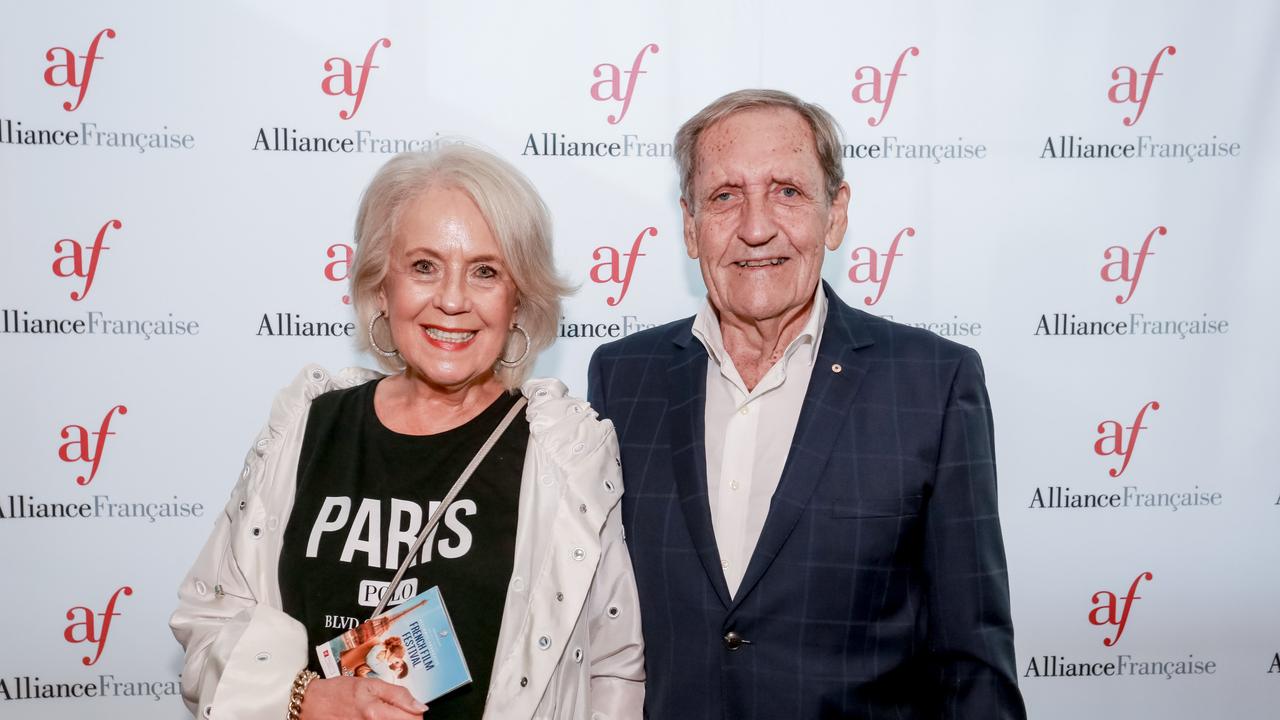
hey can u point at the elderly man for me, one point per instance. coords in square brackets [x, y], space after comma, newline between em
[811, 497]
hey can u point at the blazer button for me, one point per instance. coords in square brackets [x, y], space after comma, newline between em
[733, 641]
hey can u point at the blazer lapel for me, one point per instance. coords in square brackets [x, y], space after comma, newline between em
[686, 417]
[837, 374]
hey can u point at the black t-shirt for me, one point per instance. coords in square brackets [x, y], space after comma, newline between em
[364, 492]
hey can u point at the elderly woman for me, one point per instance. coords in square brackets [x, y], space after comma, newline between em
[454, 281]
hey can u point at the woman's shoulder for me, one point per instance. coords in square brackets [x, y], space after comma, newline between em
[310, 383]
[566, 425]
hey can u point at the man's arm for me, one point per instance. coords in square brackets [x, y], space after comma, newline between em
[595, 384]
[970, 629]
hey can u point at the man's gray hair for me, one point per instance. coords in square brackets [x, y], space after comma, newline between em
[826, 134]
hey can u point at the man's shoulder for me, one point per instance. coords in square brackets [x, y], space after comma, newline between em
[658, 340]
[898, 340]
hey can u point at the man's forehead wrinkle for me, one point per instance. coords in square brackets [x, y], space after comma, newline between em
[755, 173]
[754, 149]
[757, 162]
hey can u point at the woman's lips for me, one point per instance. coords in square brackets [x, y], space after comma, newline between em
[448, 338]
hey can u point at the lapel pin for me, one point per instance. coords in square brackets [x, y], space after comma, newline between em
[835, 368]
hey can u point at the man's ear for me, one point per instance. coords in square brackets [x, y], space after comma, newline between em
[690, 230]
[838, 217]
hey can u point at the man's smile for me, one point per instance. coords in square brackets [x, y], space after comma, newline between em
[764, 262]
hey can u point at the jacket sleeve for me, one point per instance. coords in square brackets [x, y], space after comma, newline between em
[241, 655]
[970, 628]
[613, 607]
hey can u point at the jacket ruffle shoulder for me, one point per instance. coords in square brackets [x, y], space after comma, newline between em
[583, 446]
[295, 398]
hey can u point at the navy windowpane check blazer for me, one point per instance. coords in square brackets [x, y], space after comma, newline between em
[878, 588]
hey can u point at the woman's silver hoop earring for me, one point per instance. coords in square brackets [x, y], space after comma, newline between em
[372, 341]
[528, 345]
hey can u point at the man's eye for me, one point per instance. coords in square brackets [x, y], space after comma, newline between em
[790, 192]
[722, 197]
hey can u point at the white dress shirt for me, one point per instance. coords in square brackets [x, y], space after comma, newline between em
[748, 433]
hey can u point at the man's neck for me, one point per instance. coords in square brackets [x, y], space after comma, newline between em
[755, 345]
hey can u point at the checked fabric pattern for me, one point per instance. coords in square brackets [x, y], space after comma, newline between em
[878, 588]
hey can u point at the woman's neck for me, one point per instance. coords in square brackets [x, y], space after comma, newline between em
[410, 405]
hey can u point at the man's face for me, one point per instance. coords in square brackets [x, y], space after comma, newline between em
[759, 219]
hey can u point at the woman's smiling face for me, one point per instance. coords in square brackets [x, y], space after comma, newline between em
[448, 294]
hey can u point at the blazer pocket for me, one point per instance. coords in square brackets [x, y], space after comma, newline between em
[877, 507]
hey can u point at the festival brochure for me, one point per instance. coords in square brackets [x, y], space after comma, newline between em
[414, 647]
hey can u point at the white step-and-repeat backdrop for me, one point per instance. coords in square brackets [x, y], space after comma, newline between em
[1085, 192]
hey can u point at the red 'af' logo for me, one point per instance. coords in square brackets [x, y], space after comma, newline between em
[80, 448]
[79, 261]
[93, 627]
[1108, 609]
[344, 80]
[609, 86]
[73, 74]
[1116, 439]
[1126, 266]
[1126, 90]
[878, 87]
[870, 266]
[338, 268]
[610, 270]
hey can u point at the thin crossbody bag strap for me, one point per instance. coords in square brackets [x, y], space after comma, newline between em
[448, 500]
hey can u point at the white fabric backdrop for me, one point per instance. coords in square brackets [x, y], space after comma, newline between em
[216, 233]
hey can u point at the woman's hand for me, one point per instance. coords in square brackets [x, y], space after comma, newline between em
[350, 698]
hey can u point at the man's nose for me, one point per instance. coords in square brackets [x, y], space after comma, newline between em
[757, 227]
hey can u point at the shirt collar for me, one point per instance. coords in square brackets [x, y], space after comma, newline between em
[706, 327]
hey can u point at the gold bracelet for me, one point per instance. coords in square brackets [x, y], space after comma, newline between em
[300, 683]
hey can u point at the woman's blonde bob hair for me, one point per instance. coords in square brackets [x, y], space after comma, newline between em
[516, 215]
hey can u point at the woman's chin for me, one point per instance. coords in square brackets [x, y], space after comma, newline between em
[450, 374]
